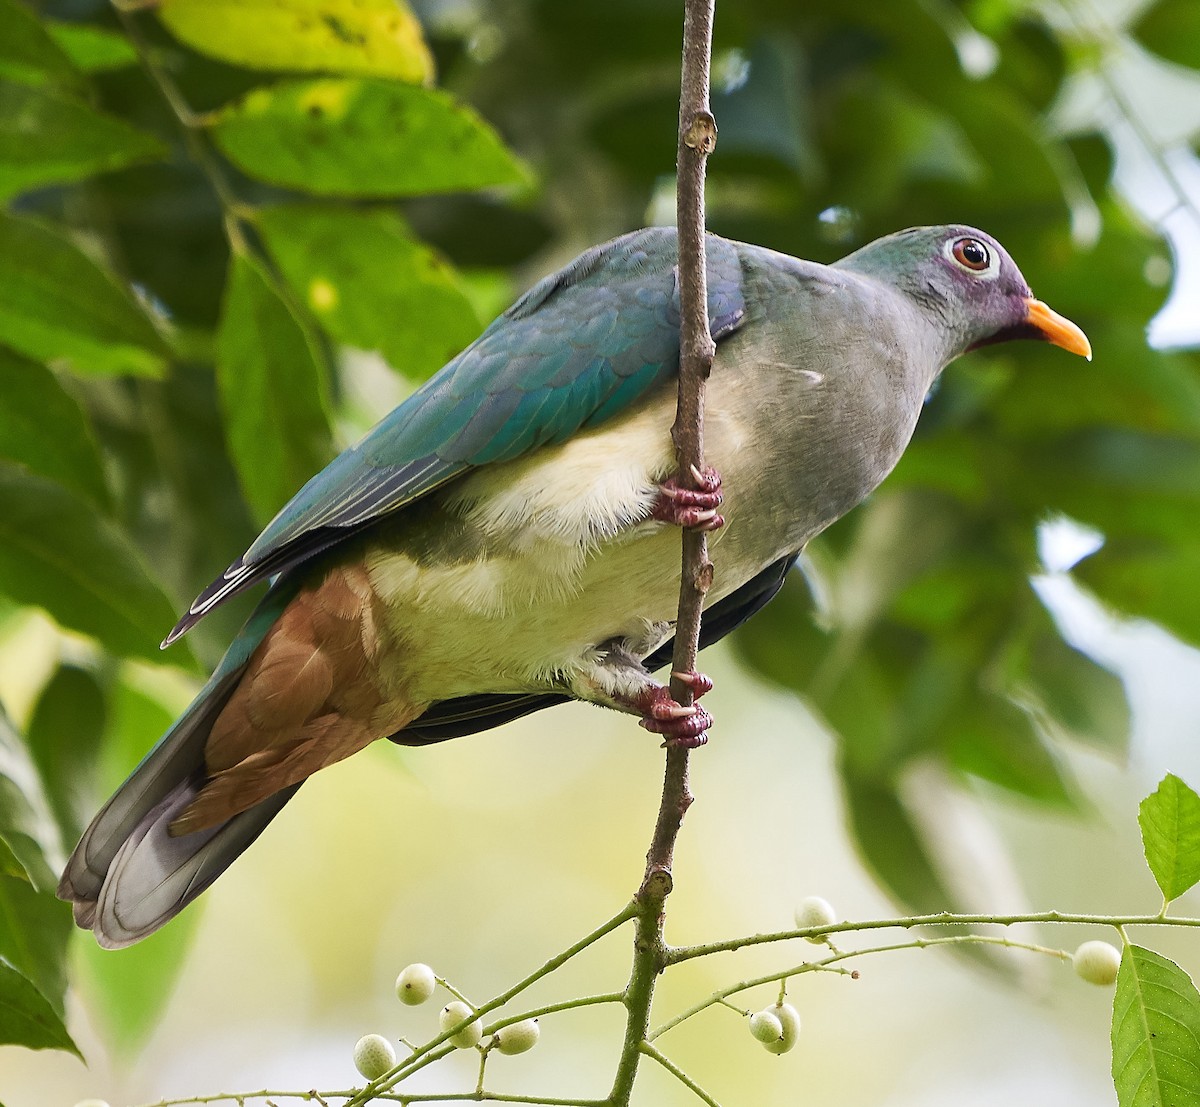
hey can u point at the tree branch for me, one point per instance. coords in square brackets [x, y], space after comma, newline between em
[680, 954]
[697, 136]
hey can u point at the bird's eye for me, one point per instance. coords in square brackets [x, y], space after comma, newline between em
[971, 254]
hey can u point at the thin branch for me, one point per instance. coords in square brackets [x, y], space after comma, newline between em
[943, 918]
[310, 1096]
[234, 211]
[313, 1096]
[497, 1097]
[679, 1074]
[830, 964]
[697, 134]
[431, 1052]
[555, 1008]
[1097, 25]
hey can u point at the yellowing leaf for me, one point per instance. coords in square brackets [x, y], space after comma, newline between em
[363, 137]
[379, 38]
[371, 284]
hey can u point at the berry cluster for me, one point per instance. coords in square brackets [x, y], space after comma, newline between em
[375, 1056]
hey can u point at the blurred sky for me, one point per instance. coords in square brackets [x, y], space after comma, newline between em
[1148, 110]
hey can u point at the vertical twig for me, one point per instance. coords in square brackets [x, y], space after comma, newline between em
[697, 136]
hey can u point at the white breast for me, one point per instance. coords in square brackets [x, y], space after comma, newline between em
[568, 559]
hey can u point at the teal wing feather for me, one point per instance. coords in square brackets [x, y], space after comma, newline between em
[580, 347]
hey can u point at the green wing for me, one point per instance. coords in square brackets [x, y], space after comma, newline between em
[581, 346]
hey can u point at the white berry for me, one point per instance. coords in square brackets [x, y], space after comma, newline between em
[765, 1027]
[1097, 962]
[373, 1056]
[789, 1023]
[415, 984]
[815, 911]
[517, 1038]
[92, 1103]
[453, 1013]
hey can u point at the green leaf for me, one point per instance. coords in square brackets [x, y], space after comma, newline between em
[1155, 1033]
[1071, 692]
[65, 736]
[1171, 29]
[1151, 578]
[57, 553]
[56, 303]
[43, 428]
[27, 52]
[363, 137]
[380, 38]
[891, 845]
[273, 390]
[34, 928]
[372, 285]
[1170, 822]
[768, 115]
[92, 49]
[128, 988]
[26, 1016]
[912, 143]
[996, 741]
[11, 866]
[26, 826]
[48, 137]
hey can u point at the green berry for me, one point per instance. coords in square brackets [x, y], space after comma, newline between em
[453, 1013]
[815, 911]
[373, 1056]
[789, 1023]
[765, 1027]
[415, 984]
[518, 1038]
[1097, 962]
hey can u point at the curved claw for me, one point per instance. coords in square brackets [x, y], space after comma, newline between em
[681, 727]
[698, 682]
[707, 479]
[694, 508]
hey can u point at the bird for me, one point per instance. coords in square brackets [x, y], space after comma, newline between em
[506, 539]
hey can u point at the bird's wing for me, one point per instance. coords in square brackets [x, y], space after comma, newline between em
[472, 714]
[578, 348]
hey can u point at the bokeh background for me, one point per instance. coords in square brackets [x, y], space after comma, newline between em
[958, 701]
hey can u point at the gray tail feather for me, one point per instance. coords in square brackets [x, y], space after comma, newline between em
[128, 876]
[154, 876]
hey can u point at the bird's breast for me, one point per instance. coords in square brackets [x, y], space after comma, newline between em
[507, 579]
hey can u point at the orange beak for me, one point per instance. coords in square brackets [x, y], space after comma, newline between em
[1057, 329]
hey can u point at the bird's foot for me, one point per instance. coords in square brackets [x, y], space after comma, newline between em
[695, 508]
[681, 727]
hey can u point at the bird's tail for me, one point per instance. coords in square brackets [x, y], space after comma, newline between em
[128, 876]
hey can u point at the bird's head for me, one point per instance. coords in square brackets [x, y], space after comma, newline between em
[966, 280]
